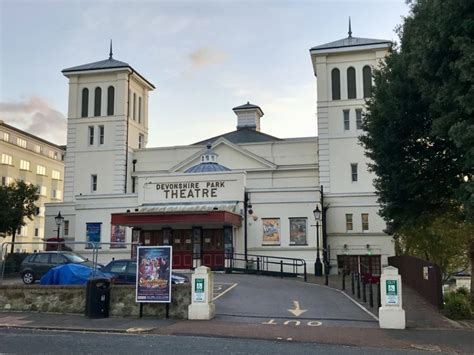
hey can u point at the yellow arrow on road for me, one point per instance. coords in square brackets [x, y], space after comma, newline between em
[297, 311]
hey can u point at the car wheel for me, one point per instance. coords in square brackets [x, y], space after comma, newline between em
[28, 278]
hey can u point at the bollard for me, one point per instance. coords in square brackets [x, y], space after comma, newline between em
[258, 265]
[371, 295]
[379, 301]
[352, 283]
[343, 280]
[202, 306]
[281, 268]
[364, 293]
[391, 313]
[358, 286]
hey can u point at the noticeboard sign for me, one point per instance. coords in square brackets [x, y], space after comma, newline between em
[199, 293]
[391, 291]
[154, 266]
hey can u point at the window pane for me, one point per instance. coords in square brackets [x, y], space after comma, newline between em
[358, 118]
[367, 81]
[346, 120]
[110, 100]
[354, 172]
[351, 83]
[97, 101]
[365, 221]
[85, 103]
[349, 225]
[118, 266]
[336, 84]
[42, 258]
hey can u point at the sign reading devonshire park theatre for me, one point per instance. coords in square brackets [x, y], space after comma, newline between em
[228, 186]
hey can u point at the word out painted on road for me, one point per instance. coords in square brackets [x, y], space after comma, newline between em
[294, 322]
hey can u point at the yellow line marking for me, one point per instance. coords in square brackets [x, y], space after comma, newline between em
[223, 293]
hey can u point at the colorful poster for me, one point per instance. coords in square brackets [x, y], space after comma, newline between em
[135, 241]
[298, 231]
[271, 231]
[93, 234]
[154, 274]
[117, 236]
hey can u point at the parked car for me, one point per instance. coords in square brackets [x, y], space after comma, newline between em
[35, 265]
[125, 272]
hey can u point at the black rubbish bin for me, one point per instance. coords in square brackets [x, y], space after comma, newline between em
[98, 298]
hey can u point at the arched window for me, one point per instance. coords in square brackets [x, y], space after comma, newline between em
[336, 84]
[97, 101]
[110, 100]
[85, 102]
[351, 83]
[367, 81]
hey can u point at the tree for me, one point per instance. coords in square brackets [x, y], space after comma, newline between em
[18, 202]
[419, 126]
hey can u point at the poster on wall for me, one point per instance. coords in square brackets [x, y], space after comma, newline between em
[117, 236]
[93, 234]
[154, 274]
[271, 231]
[135, 241]
[298, 231]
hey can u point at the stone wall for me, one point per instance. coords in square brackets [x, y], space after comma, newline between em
[71, 299]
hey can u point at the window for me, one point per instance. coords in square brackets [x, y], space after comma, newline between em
[139, 110]
[42, 258]
[110, 100]
[118, 267]
[57, 194]
[5, 136]
[93, 183]
[358, 118]
[36, 232]
[97, 101]
[134, 182]
[23, 231]
[38, 148]
[42, 190]
[56, 175]
[7, 159]
[53, 155]
[24, 165]
[66, 227]
[367, 81]
[57, 259]
[365, 221]
[141, 141]
[134, 105]
[347, 125]
[349, 224]
[336, 84]
[351, 83]
[101, 135]
[21, 142]
[6, 180]
[354, 172]
[85, 103]
[40, 170]
[91, 135]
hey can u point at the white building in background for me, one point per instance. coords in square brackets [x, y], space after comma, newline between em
[211, 198]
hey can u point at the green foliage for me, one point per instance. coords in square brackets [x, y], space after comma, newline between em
[457, 304]
[13, 262]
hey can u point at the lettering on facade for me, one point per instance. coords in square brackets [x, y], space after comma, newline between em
[185, 190]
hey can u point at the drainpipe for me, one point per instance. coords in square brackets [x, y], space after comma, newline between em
[128, 119]
[246, 201]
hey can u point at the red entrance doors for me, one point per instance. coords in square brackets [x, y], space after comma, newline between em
[182, 248]
[213, 248]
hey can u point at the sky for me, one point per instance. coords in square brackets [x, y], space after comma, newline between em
[204, 57]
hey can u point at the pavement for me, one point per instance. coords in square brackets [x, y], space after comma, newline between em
[261, 307]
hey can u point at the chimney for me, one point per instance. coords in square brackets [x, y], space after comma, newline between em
[248, 116]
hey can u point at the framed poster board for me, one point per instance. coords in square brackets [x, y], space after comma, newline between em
[271, 231]
[298, 231]
[117, 236]
[154, 266]
[93, 235]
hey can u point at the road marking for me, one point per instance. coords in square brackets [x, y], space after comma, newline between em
[294, 322]
[314, 323]
[297, 322]
[297, 311]
[223, 293]
[271, 321]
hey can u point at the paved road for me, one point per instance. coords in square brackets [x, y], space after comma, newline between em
[34, 342]
[267, 300]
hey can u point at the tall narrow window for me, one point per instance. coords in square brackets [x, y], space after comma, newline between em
[354, 176]
[351, 83]
[133, 184]
[93, 183]
[66, 227]
[97, 101]
[358, 118]
[91, 135]
[141, 141]
[139, 110]
[85, 102]
[336, 84]
[367, 81]
[7, 159]
[101, 134]
[349, 224]
[365, 221]
[110, 100]
[134, 106]
[346, 120]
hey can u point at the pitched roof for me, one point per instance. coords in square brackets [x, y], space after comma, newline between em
[248, 106]
[206, 168]
[351, 42]
[242, 135]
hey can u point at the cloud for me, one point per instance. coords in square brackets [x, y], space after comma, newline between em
[37, 117]
[206, 56]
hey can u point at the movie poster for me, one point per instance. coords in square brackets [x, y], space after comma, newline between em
[117, 237]
[271, 231]
[154, 274]
[298, 231]
[93, 234]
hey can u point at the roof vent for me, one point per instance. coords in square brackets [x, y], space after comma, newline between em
[248, 116]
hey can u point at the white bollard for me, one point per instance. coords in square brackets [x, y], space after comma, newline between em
[391, 313]
[202, 306]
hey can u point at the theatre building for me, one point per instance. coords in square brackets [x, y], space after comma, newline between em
[240, 191]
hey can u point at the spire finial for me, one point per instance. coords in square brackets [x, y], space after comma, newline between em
[350, 30]
[110, 53]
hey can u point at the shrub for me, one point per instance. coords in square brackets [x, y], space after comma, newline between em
[458, 304]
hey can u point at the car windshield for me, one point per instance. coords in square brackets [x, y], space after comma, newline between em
[75, 258]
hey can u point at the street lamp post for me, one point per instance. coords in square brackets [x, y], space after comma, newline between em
[318, 266]
[59, 221]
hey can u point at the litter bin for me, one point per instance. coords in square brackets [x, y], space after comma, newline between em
[98, 298]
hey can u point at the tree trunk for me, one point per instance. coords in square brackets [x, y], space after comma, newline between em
[471, 258]
[13, 242]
